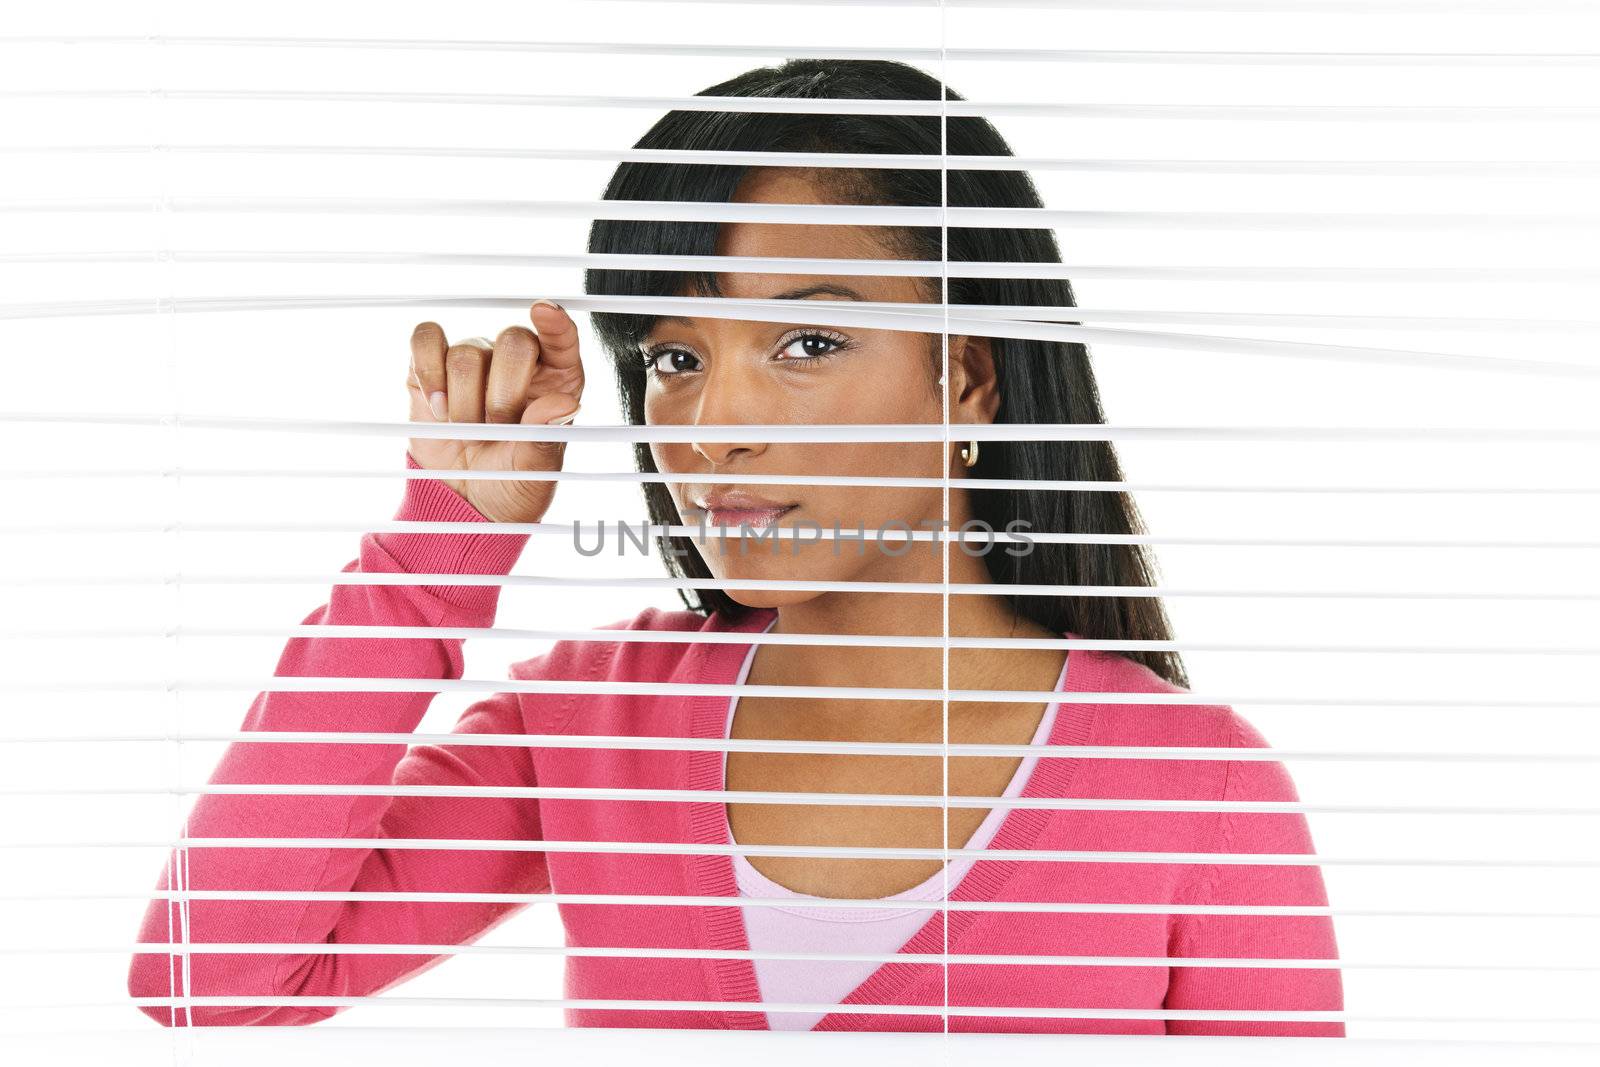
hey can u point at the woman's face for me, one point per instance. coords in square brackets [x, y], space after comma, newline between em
[723, 371]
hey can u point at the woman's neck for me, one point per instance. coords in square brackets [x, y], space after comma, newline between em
[905, 615]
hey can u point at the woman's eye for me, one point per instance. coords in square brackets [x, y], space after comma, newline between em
[800, 348]
[812, 346]
[670, 360]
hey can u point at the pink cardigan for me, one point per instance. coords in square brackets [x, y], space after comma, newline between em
[1101, 997]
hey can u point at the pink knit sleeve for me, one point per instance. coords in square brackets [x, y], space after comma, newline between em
[1241, 989]
[359, 869]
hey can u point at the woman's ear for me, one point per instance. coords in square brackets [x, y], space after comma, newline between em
[975, 390]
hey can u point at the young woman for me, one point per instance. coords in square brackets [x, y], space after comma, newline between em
[1132, 935]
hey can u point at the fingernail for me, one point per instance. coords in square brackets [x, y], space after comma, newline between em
[562, 420]
[436, 403]
[552, 303]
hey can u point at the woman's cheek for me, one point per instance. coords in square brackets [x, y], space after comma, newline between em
[661, 458]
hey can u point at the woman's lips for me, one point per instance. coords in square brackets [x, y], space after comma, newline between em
[755, 518]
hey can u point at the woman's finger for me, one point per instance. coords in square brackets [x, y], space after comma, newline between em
[427, 367]
[558, 341]
[516, 352]
[466, 366]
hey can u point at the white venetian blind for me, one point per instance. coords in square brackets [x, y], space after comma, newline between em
[1334, 262]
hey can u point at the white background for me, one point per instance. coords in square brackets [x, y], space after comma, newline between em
[350, 363]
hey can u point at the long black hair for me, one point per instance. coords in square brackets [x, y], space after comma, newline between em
[1038, 381]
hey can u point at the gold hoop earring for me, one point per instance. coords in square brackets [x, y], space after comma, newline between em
[969, 454]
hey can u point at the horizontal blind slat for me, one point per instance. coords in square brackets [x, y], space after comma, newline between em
[1362, 113]
[177, 579]
[673, 848]
[636, 794]
[792, 50]
[821, 903]
[328, 631]
[869, 748]
[390, 684]
[840, 432]
[1419, 166]
[776, 478]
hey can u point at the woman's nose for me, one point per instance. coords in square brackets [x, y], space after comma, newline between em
[725, 400]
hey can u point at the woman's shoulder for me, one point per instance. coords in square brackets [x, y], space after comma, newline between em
[635, 655]
[1199, 724]
[1163, 722]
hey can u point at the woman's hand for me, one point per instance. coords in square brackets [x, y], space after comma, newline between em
[527, 378]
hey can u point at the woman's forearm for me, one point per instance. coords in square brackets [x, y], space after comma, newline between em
[285, 869]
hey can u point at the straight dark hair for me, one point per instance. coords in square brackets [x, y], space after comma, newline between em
[1039, 381]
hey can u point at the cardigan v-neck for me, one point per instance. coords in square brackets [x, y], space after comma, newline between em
[987, 879]
[786, 928]
[748, 876]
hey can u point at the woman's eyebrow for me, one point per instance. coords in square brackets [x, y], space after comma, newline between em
[819, 289]
[823, 288]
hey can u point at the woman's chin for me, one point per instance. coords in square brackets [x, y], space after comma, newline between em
[786, 569]
[771, 599]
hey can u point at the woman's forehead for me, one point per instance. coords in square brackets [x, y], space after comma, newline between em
[804, 240]
[759, 286]
[739, 285]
